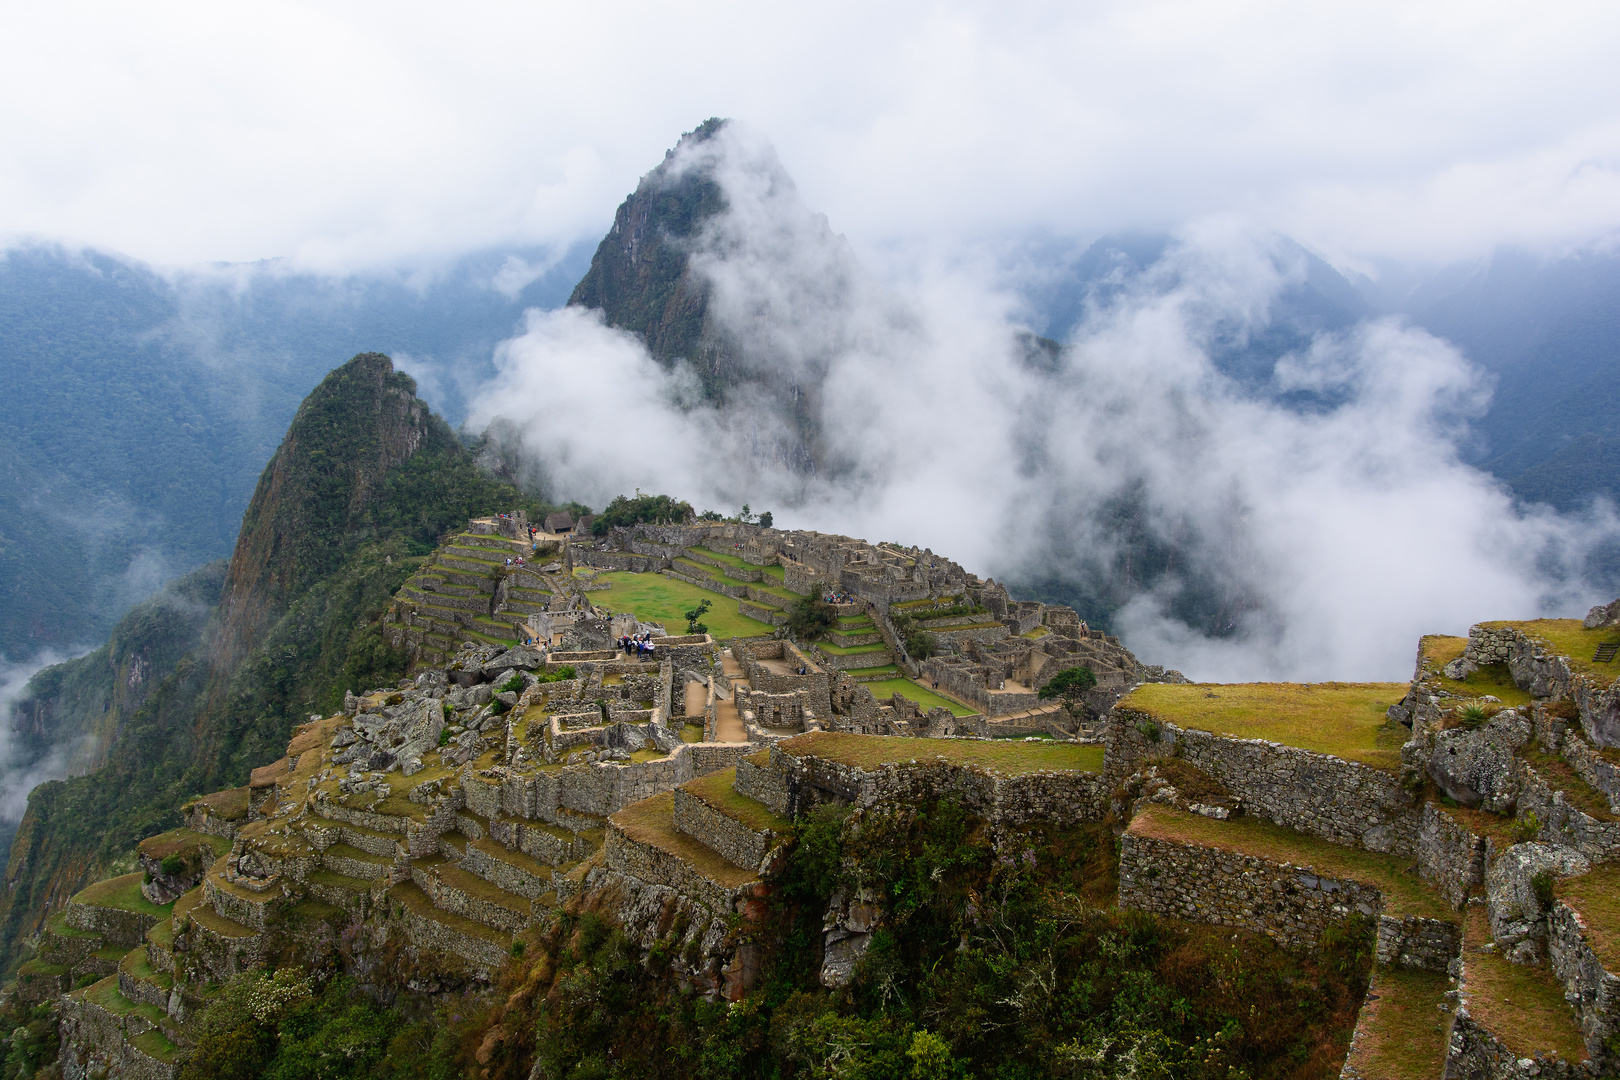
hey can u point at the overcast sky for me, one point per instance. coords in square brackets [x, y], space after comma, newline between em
[351, 134]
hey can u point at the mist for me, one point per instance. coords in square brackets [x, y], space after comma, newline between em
[1315, 526]
[21, 772]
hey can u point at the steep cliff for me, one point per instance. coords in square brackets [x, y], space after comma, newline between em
[365, 481]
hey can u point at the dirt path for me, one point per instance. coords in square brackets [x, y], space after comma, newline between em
[697, 699]
[728, 726]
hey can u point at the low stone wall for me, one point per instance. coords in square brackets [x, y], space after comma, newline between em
[1289, 904]
[620, 560]
[1293, 905]
[1476, 1054]
[1545, 674]
[1450, 858]
[1590, 988]
[725, 836]
[655, 866]
[764, 613]
[1064, 798]
[1349, 804]
[764, 785]
[1594, 768]
[118, 927]
[736, 592]
[1562, 823]
[95, 1043]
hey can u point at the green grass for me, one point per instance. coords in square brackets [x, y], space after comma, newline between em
[918, 693]
[1038, 632]
[1562, 776]
[1597, 897]
[1403, 1031]
[123, 893]
[1403, 893]
[153, 1043]
[1493, 679]
[1522, 1006]
[178, 840]
[1343, 719]
[852, 650]
[1009, 757]
[656, 598]
[717, 790]
[861, 672]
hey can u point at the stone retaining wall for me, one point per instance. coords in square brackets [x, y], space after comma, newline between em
[116, 926]
[727, 837]
[1544, 674]
[1562, 823]
[1291, 904]
[1450, 858]
[1341, 801]
[1594, 768]
[1475, 1053]
[95, 1043]
[1590, 988]
[1064, 798]
[655, 866]
[764, 785]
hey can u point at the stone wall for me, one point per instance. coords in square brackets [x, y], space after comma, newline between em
[1064, 798]
[1475, 1053]
[1562, 823]
[1347, 803]
[649, 863]
[724, 835]
[1590, 988]
[1544, 674]
[1450, 858]
[1293, 905]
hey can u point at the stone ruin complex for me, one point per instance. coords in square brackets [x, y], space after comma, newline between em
[440, 818]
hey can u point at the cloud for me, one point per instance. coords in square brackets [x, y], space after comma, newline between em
[1287, 541]
[355, 134]
[18, 774]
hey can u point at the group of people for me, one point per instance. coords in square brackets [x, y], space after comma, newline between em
[515, 562]
[637, 644]
[839, 598]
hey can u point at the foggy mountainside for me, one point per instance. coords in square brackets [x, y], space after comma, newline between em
[142, 407]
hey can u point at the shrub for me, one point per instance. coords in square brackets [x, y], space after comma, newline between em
[1527, 828]
[1542, 885]
[693, 617]
[642, 509]
[514, 684]
[172, 866]
[1069, 682]
[562, 674]
[1148, 728]
[1473, 714]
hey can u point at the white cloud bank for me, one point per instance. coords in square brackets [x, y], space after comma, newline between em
[348, 134]
[1335, 536]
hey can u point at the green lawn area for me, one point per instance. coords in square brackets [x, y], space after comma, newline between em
[1038, 632]
[123, 893]
[1403, 1031]
[1012, 758]
[918, 693]
[1403, 893]
[656, 598]
[697, 569]
[1567, 637]
[1343, 719]
[1522, 1006]
[716, 790]
[886, 669]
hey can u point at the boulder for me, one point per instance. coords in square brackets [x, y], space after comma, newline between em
[1603, 615]
[466, 676]
[1475, 765]
[520, 657]
[1517, 915]
[1459, 669]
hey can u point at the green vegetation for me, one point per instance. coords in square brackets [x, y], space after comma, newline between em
[919, 693]
[811, 617]
[639, 509]
[1404, 893]
[1011, 758]
[1402, 1025]
[1523, 1006]
[1597, 897]
[694, 615]
[989, 967]
[656, 598]
[1346, 720]
[1070, 682]
[123, 893]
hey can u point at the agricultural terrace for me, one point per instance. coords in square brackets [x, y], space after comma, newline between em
[1523, 1006]
[123, 893]
[914, 691]
[1403, 1025]
[1596, 897]
[1493, 679]
[656, 598]
[1567, 637]
[773, 571]
[1346, 720]
[1011, 758]
[1404, 893]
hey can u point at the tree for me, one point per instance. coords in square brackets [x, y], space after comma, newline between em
[765, 520]
[641, 509]
[692, 617]
[745, 515]
[1070, 683]
[921, 644]
[812, 616]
